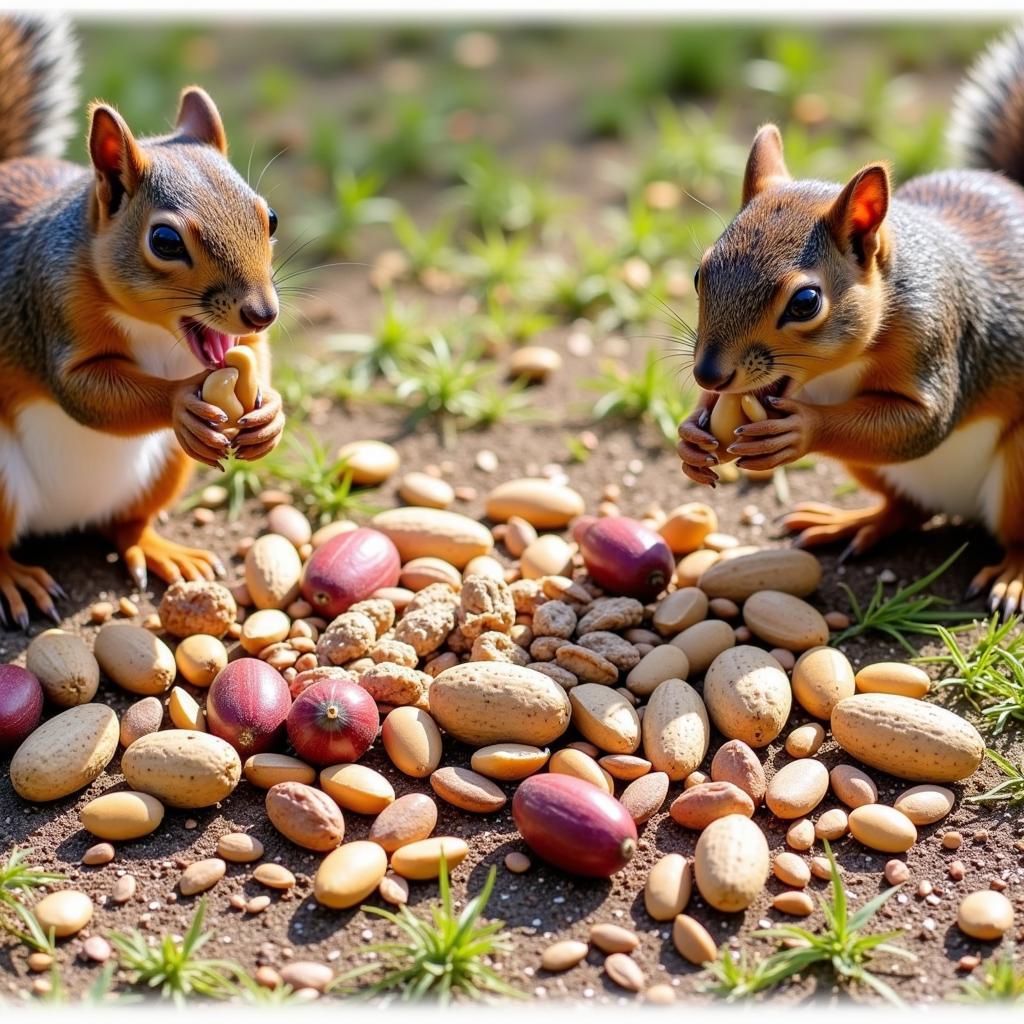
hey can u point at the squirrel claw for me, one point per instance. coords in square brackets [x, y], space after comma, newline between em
[22, 620]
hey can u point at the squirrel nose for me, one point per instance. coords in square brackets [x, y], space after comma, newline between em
[709, 374]
[259, 318]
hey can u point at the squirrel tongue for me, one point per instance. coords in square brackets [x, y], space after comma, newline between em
[208, 346]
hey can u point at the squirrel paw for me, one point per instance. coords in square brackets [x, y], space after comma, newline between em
[819, 524]
[1007, 582]
[169, 560]
[36, 582]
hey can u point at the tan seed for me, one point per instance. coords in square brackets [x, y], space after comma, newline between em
[97, 949]
[307, 974]
[394, 889]
[67, 912]
[274, 876]
[832, 824]
[39, 962]
[797, 788]
[925, 805]
[202, 875]
[896, 872]
[645, 796]
[791, 869]
[124, 889]
[799, 904]
[805, 740]
[985, 915]
[101, 853]
[882, 828]
[821, 868]
[421, 860]
[613, 938]
[266, 770]
[692, 940]
[239, 847]
[347, 875]
[467, 790]
[561, 956]
[625, 972]
[800, 835]
[660, 995]
[854, 787]
[952, 840]
[668, 887]
[257, 904]
[518, 863]
[410, 818]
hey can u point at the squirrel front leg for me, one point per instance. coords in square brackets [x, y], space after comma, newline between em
[871, 429]
[111, 393]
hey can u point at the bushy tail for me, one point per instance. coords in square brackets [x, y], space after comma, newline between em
[987, 127]
[38, 66]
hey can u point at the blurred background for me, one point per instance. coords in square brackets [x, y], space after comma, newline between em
[449, 194]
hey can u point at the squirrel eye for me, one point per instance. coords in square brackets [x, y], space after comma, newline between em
[804, 305]
[272, 218]
[696, 279]
[166, 243]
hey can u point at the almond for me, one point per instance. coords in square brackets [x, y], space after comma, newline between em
[783, 620]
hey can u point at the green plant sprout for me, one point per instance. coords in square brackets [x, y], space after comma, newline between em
[842, 946]
[909, 610]
[1010, 791]
[649, 394]
[18, 879]
[173, 966]
[357, 204]
[1001, 981]
[443, 957]
[396, 337]
[990, 675]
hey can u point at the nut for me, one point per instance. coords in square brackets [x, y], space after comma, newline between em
[486, 605]
[611, 613]
[348, 637]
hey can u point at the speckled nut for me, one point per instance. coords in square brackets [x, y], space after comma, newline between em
[611, 613]
[395, 652]
[527, 595]
[396, 685]
[486, 605]
[494, 646]
[197, 606]
[426, 629]
[588, 666]
[621, 653]
[380, 612]
[348, 637]
[562, 676]
[555, 618]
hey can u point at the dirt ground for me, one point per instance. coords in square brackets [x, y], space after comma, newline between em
[544, 904]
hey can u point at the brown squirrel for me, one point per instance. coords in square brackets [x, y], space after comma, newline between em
[884, 329]
[125, 284]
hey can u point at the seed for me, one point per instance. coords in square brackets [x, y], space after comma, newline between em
[421, 860]
[257, 904]
[896, 872]
[957, 870]
[800, 835]
[349, 874]
[660, 995]
[985, 915]
[882, 828]
[805, 740]
[394, 889]
[952, 840]
[67, 912]
[791, 869]
[124, 889]
[101, 853]
[625, 972]
[799, 904]
[518, 863]
[821, 868]
[668, 887]
[39, 962]
[100, 612]
[692, 940]
[202, 875]
[613, 938]
[239, 847]
[97, 949]
[307, 974]
[274, 876]
[832, 824]
[561, 956]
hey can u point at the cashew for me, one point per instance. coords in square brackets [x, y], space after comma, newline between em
[243, 359]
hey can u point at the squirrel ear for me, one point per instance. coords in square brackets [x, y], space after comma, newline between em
[858, 212]
[765, 166]
[116, 156]
[199, 118]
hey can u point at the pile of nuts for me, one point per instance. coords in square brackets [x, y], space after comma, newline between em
[507, 661]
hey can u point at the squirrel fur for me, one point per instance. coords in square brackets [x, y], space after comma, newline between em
[884, 329]
[125, 283]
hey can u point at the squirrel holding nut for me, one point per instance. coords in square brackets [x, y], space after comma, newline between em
[125, 284]
[884, 329]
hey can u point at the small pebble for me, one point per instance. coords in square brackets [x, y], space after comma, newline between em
[952, 840]
[124, 889]
[837, 620]
[957, 870]
[257, 904]
[896, 872]
[97, 949]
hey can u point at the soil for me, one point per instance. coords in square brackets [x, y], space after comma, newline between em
[544, 904]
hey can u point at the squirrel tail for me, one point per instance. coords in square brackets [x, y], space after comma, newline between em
[987, 126]
[38, 67]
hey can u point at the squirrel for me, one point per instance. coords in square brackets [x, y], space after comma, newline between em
[125, 284]
[884, 329]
